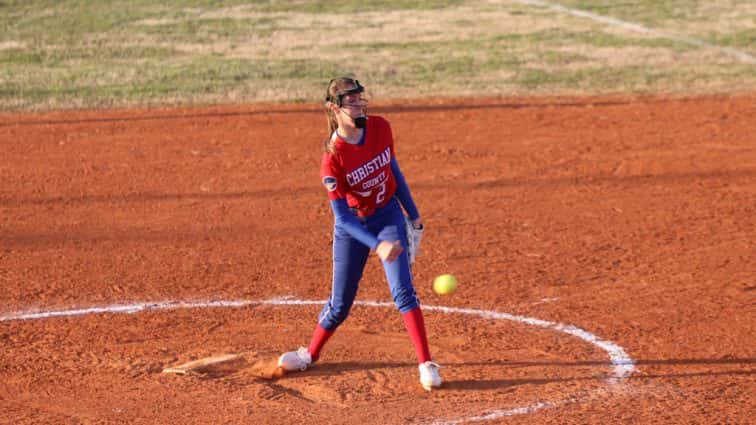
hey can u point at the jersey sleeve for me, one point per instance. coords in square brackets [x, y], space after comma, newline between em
[349, 222]
[333, 178]
[403, 192]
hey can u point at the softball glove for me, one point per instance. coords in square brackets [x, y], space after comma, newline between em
[414, 236]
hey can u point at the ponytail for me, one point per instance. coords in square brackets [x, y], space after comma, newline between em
[328, 141]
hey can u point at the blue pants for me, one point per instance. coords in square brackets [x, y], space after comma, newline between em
[350, 256]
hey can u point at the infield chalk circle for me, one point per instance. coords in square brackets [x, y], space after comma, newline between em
[623, 365]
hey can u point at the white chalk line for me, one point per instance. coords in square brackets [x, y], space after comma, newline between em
[623, 365]
[742, 56]
[123, 309]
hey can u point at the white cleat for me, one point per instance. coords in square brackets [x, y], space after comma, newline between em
[293, 361]
[429, 376]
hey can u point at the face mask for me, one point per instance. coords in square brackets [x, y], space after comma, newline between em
[359, 122]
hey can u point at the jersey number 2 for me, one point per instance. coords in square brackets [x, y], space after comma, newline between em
[381, 194]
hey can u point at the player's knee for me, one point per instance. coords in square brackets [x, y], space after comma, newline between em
[405, 299]
[335, 316]
[340, 314]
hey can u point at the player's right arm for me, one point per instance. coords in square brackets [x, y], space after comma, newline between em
[345, 219]
[334, 180]
[388, 251]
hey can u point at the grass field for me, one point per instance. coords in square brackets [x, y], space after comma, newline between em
[82, 54]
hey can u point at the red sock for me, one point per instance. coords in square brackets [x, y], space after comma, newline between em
[319, 338]
[415, 324]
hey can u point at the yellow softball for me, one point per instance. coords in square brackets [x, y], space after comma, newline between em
[445, 284]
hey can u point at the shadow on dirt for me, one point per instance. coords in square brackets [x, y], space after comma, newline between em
[478, 384]
[640, 375]
[556, 183]
[723, 361]
[443, 107]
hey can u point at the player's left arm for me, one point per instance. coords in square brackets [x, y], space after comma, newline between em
[402, 188]
[403, 192]
[413, 223]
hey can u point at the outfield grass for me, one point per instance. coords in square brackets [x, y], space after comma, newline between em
[106, 53]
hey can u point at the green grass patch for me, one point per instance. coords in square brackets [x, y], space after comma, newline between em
[54, 57]
[745, 39]
[724, 23]
[76, 53]
[195, 79]
[646, 12]
[349, 6]
[210, 30]
[603, 79]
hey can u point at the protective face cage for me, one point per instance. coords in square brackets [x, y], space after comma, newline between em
[338, 97]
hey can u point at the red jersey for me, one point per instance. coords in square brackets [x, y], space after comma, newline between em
[362, 173]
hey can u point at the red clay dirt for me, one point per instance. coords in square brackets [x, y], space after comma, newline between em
[633, 219]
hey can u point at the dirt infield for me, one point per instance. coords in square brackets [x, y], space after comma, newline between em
[633, 219]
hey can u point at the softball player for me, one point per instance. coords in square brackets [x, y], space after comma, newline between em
[367, 192]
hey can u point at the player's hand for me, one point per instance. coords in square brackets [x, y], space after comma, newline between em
[389, 251]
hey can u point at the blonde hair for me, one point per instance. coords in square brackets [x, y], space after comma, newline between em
[334, 87]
